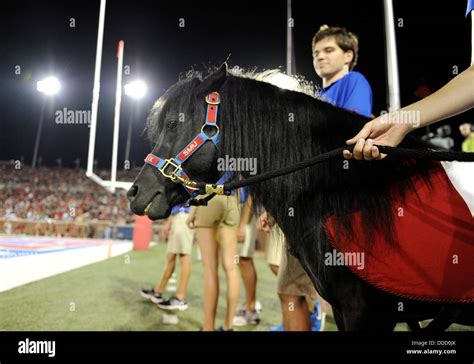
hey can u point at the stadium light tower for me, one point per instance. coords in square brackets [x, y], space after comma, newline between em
[136, 90]
[49, 86]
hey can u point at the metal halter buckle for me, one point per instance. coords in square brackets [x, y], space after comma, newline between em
[210, 126]
[217, 189]
[172, 175]
[217, 102]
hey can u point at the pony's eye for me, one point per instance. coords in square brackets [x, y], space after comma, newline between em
[171, 124]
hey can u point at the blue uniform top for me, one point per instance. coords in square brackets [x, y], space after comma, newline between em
[470, 7]
[179, 208]
[243, 194]
[224, 178]
[351, 92]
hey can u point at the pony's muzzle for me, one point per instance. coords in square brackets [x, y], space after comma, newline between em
[145, 202]
[132, 192]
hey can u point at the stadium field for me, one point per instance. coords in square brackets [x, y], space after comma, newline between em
[104, 296]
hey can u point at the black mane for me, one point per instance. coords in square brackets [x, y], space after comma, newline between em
[255, 121]
[281, 127]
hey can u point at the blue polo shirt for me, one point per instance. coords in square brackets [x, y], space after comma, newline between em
[470, 7]
[351, 92]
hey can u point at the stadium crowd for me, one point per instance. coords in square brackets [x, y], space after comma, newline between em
[60, 194]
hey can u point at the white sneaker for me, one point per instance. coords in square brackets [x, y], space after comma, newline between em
[173, 304]
[245, 317]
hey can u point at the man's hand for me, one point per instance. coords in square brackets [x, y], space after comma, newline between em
[241, 234]
[190, 220]
[265, 222]
[165, 232]
[378, 131]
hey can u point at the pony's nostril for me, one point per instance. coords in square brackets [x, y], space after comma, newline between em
[132, 192]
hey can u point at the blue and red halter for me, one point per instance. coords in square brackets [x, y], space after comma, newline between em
[178, 175]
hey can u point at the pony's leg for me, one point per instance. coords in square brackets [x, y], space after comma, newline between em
[368, 319]
[414, 325]
[446, 316]
[339, 319]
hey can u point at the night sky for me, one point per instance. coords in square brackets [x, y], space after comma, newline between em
[36, 35]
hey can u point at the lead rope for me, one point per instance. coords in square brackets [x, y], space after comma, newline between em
[203, 188]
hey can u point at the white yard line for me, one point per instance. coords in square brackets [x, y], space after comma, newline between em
[20, 270]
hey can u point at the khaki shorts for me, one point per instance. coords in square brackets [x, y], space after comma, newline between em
[181, 237]
[274, 246]
[247, 248]
[292, 279]
[221, 211]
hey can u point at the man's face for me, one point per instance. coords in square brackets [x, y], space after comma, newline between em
[328, 58]
[465, 130]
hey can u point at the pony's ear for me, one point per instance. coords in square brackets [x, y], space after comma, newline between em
[214, 81]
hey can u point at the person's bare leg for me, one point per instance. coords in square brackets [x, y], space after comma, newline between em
[274, 269]
[295, 313]
[325, 306]
[249, 277]
[185, 273]
[208, 244]
[228, 246]
[169, 269]
[309, 302]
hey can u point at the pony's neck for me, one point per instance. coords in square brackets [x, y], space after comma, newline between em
[279, 127]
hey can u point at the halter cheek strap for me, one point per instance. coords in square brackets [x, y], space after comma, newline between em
[171, 168]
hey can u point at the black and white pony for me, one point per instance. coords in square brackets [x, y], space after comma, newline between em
[279, 127]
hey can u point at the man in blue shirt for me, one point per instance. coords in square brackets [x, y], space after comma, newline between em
[335, 53]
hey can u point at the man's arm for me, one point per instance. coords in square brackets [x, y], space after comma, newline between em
[246, 212]
[191, 217]
[454, 98]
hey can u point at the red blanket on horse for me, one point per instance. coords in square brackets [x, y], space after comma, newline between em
[433, 255]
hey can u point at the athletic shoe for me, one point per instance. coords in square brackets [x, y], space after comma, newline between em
[221, 328]
[318, 318]
[151, 295]
[246, 317]
[173, 304]
[277, 328]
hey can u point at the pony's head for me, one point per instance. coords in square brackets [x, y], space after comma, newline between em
[173, 128]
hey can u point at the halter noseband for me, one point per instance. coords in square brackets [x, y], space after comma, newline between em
[177, 174]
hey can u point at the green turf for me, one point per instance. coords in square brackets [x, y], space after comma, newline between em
[105, 296]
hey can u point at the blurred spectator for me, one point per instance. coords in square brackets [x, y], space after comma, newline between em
[467, 132]
[60, 194]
